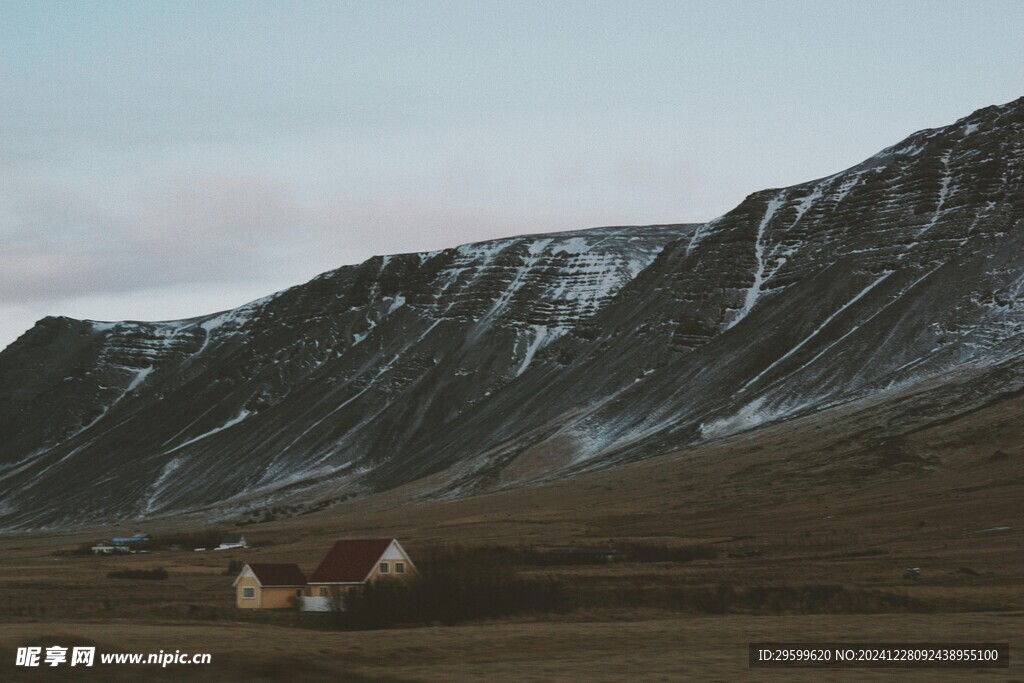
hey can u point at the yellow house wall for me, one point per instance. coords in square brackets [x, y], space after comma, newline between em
[409, 571]
[242, 603]
[334, 590]
[274, 597]
[278, 597]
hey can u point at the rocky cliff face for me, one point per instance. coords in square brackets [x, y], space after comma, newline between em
[322, 382]
[509, 362]
[902, 268]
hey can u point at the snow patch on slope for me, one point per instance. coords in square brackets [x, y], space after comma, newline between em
[944, 192]
[242, 415]
[749, 416]
[157, 486]
[755, 289]
[817, 330]
[576, 245]
[540, 333]
[397, 303]
[140, 376]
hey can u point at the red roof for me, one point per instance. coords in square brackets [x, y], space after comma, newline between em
[278, 574]
[350, 561]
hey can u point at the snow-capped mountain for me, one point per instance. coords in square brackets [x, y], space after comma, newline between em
[510, 362]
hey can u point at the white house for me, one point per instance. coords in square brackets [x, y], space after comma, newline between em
[232, 541]
[108, 548]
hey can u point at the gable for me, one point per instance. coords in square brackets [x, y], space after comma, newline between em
[246, 573]
[396, 553]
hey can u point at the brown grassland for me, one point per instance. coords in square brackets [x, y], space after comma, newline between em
[811, 524]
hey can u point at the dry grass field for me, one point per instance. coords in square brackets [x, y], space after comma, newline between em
[607, 647]
[810, 523]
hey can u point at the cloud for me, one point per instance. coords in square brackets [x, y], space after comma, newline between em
[56, 242]
[90, 237]
[190, 246]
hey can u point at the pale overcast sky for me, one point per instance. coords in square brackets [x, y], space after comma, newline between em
[166, 160]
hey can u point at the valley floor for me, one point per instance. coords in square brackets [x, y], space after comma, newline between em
[609, 648]
[810, 526]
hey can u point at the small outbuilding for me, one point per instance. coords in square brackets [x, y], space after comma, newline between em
[231, 542]
[138, 538]
[108, 548]
[269, 586]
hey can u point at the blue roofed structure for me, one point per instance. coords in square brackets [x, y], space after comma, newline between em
[137, 537]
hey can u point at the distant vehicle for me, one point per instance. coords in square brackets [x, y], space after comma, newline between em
[912, 573]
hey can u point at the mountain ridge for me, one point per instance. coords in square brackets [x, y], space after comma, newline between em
[503, 294]
[513, 361]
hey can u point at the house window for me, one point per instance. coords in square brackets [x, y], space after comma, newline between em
[323, 591]
[249, 593]
[385, 568]
[399, 567]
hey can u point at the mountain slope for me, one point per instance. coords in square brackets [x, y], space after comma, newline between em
[322, 380]
[900, 268]
[515, 361]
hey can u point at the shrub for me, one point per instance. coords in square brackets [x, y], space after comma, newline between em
[83, 549]
[639, 552]
[632, 552]
[187, 541]
[453, 586]
[158, 574]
